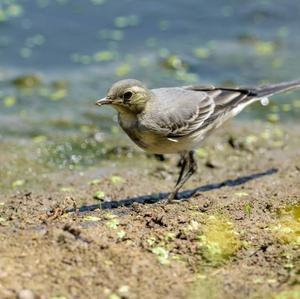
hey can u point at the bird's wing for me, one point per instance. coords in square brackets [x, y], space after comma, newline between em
[180, 111]
[175, 112]
[228, 101]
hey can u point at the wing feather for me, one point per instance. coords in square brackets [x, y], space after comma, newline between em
[177, 112]
[180, 111]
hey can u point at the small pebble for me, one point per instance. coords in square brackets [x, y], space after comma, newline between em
[26, 294]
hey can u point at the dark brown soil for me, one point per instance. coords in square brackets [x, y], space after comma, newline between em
[238, 236]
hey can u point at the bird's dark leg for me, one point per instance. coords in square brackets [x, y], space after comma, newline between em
[189, 163]
[182, 163]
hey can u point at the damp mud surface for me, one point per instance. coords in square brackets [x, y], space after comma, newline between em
[109, 233]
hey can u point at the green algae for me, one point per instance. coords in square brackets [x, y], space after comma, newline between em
[202, 53]
[287, 226]
[113, 223]
[126, 21]
[205, 287]
[265, 48]
[218, 240]
[104, 56]
[94, 182]
[114, 296]
[10, 10]
[273, 118]
[59, 94]
[18, 183]
[116, 180]
[201, 153]
[27, 81]
[66, 189]
[162, 255]
[293, 293]
[248, 207]
[9, 101]
[99, 195]
[114, 35]
[123, 70]
[173, 62]
[121, 234]
[91, 218]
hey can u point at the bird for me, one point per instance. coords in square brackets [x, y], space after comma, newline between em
[176, 120]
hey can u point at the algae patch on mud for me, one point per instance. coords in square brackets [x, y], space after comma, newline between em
[205, 288]
[218, 240]
[293, 293]
[287, 227]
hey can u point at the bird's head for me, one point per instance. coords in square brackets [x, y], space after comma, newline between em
[127, 96]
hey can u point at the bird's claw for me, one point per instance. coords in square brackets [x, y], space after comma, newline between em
[172, 198]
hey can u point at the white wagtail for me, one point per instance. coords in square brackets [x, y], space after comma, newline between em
[177, 119]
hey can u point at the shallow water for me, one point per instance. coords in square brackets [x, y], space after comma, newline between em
[74, 50]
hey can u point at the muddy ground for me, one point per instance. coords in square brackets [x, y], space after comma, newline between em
[237, 235]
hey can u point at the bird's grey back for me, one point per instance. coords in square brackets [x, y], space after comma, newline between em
[176, 99]
[175, 111]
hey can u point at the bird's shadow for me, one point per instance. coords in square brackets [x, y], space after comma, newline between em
[184, 195]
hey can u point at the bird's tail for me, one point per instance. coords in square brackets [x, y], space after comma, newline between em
[247, 96]
[269, 90]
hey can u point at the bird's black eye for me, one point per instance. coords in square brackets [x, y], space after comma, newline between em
[126, 96]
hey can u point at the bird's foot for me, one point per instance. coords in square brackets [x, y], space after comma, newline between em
[172, 198]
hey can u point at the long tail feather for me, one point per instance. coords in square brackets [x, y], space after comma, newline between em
[269, 90]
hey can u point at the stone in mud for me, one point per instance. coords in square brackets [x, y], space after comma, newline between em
[26, 294]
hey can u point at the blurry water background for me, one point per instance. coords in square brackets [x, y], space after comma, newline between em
[58, 56]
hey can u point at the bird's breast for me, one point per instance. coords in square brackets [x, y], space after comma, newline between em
[132, 128]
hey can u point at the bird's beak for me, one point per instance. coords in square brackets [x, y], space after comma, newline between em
[104, 101]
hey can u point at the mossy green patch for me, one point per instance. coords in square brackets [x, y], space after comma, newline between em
[121, 234]
[113, 223]
[123, 70]
[117, 180]
[94, 182]
[8, 10]
[273, 118]
[218, 240]
[248, 207]
[162, 255]
[202, 53]
[18, 183]
[99, 195]
[66, 189]
[91, 218]
[204, 288]
[293, 293]
[114, 296]
[39, 139]
[287, 227]
[173, 62]
[104, 56]
[265, 48]
[202, 153]
[126, 21]
[59, 94]
[9, 101]
[27, 81]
